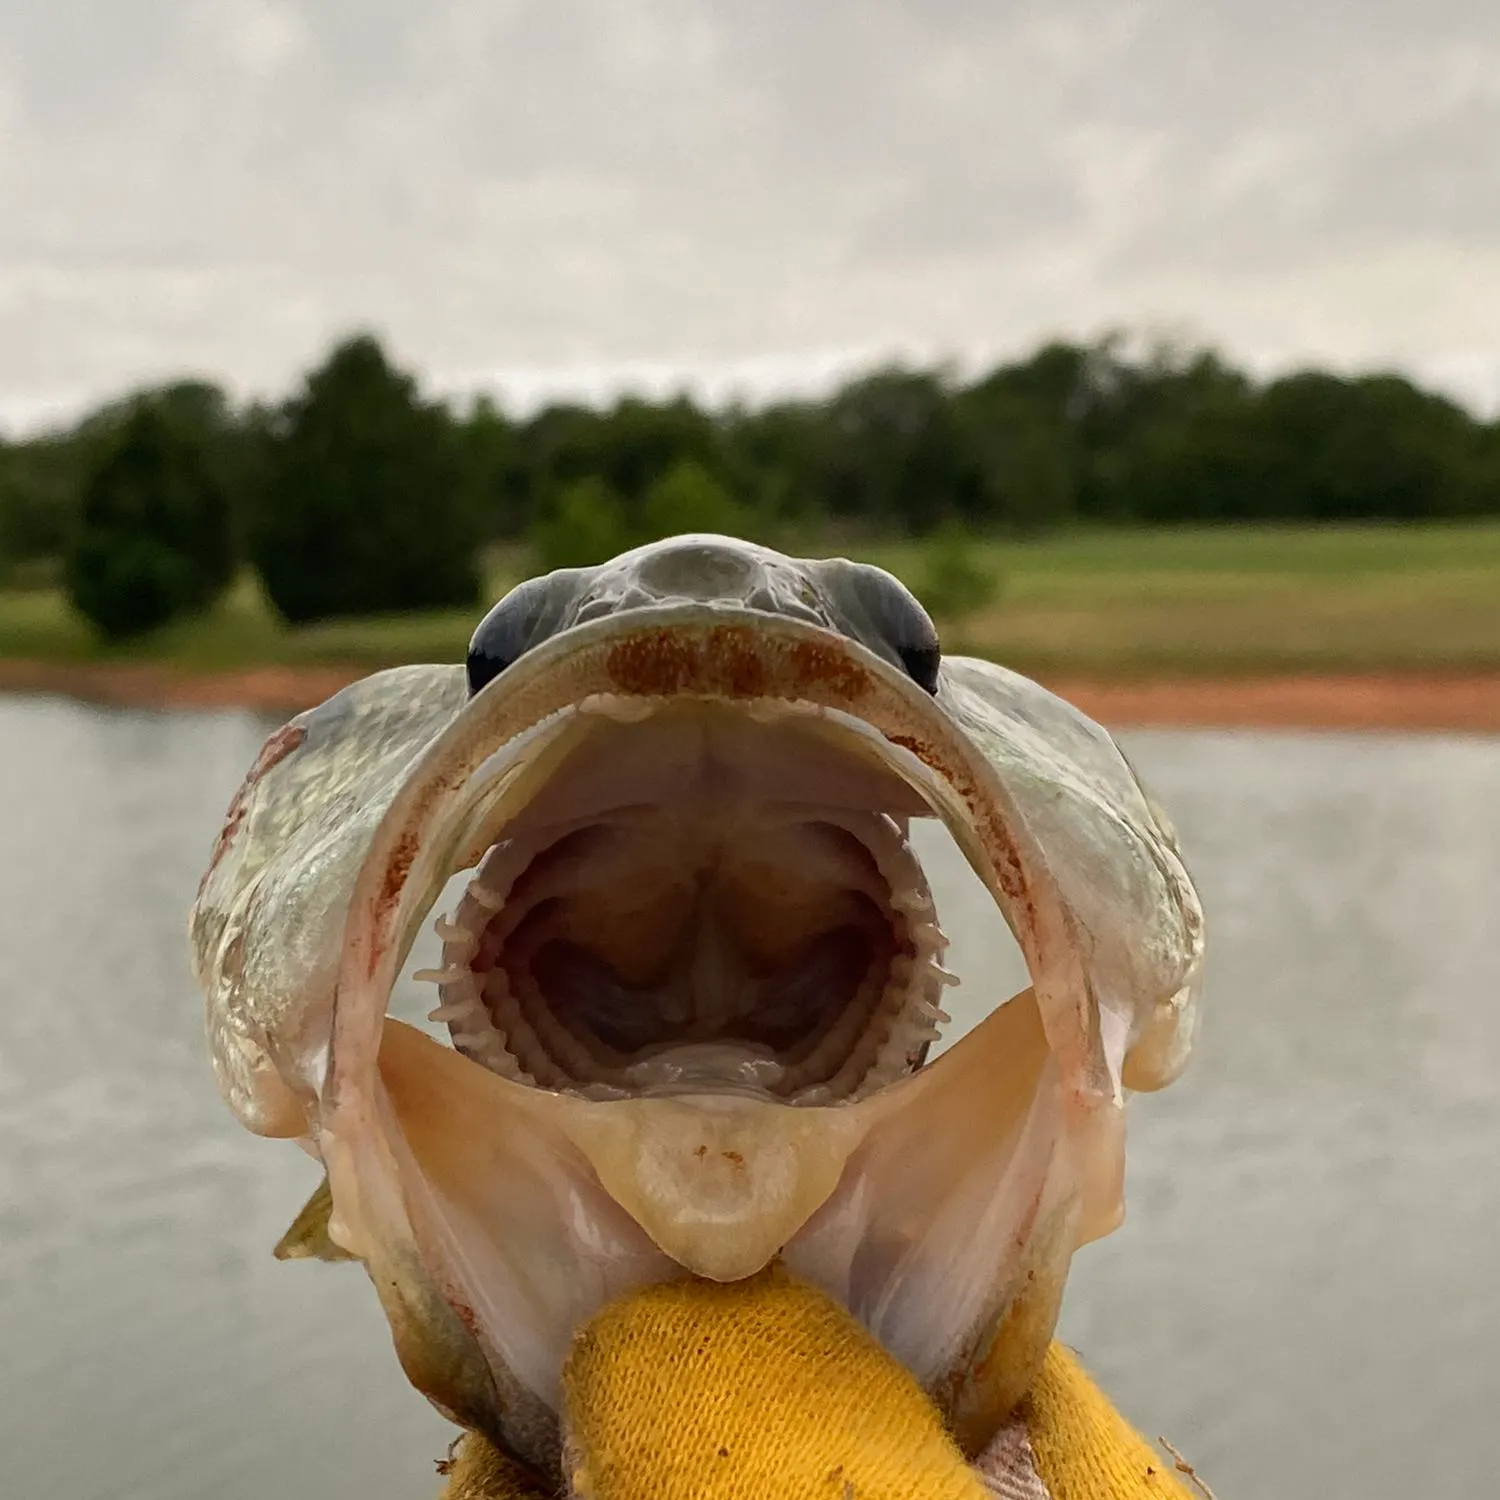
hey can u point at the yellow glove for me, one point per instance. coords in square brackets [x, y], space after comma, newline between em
[767, 1390]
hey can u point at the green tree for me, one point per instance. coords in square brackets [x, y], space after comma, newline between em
[1025, 424]
[358, 496]
[770, 458]
[1375, 447]
[31, 527]
[1190, 449]
[363, 507]
[637, 443]
[629, 448]
[492, 478]
[587, 525]
[893, 448]
[40, 482]
[958, 578]
[155, 534]
[688, 498]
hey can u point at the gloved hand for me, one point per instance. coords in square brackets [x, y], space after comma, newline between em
[768, 1390]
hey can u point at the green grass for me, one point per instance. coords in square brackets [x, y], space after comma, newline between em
[1240, 601]
[1116, 604]
[238, 631]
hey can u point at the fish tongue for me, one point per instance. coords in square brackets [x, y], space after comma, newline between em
[718, 1181]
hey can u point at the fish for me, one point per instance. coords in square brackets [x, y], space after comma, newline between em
[694, 975]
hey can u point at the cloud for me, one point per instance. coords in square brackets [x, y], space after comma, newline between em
[525, 185]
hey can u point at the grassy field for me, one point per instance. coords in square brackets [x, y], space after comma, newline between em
[1112, 605]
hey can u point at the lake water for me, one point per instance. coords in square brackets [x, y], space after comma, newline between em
[1305, 1297]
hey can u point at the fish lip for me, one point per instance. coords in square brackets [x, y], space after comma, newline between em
[715, 652]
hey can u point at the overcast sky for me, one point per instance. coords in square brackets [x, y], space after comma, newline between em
[553, 192]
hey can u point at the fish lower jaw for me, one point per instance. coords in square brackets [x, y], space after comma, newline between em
[918, 1207]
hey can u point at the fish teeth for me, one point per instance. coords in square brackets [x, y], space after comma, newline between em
[928, 937]
[617, 706]
[454, 1010]
[518, 1035]
[482, 896]
[488, 1047]
[603, 1092]
[765, 710]
[497, 1017]
[567, 1053]
[483, 1040]
[449, 974]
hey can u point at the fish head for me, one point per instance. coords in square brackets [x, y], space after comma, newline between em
[695, 972]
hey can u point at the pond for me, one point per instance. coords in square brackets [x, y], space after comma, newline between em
[1304, 1297]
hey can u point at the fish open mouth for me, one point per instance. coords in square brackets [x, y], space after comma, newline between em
[691, 978]
[701, 898]
[698, 966]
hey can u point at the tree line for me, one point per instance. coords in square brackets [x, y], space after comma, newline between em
[359, 495]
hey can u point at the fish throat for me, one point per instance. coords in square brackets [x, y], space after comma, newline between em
[699, 900]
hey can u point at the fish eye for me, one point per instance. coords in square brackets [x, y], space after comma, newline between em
[509, 630]
[922, 663]
[903, 624]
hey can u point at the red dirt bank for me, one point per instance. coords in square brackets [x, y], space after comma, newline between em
[1392, 701]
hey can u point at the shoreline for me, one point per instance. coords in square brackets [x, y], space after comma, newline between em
[1434, 702]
